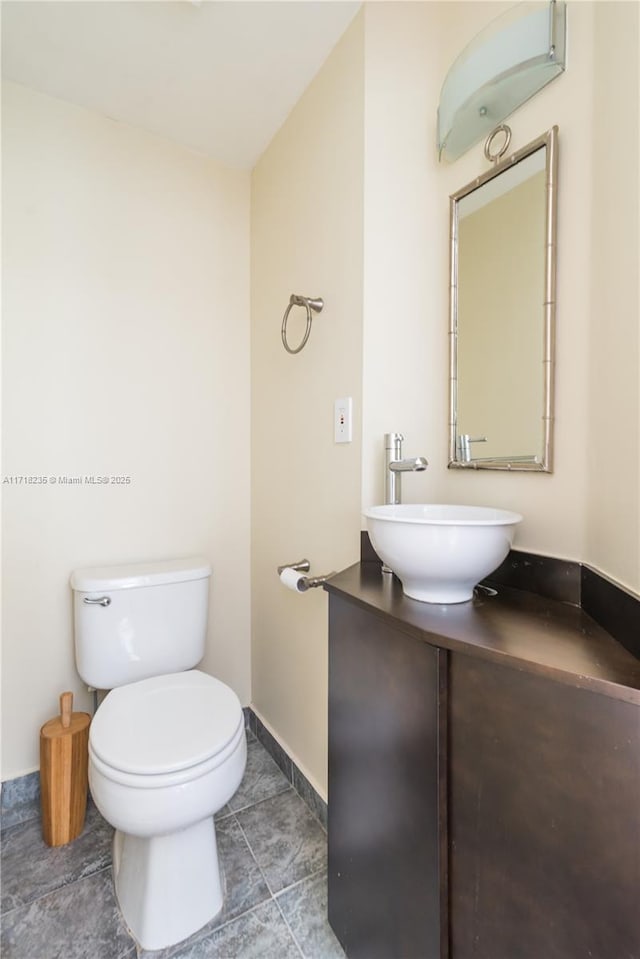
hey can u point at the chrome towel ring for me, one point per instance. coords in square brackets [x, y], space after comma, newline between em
[309, 305]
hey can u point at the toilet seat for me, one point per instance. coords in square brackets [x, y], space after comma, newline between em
[165, 730]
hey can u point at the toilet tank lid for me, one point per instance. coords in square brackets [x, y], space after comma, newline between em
[93, 578]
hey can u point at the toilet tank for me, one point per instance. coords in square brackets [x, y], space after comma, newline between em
[133, 622]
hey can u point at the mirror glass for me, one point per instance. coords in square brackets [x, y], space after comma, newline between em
[503, 312]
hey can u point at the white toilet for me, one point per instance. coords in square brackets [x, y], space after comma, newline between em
[167, 746]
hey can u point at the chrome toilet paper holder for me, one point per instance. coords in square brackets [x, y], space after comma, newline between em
[305, 582]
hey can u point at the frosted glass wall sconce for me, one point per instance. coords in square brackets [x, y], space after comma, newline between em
[503, 67]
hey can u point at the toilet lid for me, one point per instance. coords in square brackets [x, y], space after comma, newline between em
[165, 723]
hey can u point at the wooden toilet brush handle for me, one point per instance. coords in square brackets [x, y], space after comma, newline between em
[66, 708]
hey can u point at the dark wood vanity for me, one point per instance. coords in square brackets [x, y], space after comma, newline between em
[484, 777]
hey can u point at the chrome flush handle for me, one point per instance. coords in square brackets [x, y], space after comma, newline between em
[100, 601]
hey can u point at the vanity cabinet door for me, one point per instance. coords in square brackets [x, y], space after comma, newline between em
[386, 700]
[544, 818]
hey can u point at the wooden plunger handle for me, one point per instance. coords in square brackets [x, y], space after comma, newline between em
[66, 706]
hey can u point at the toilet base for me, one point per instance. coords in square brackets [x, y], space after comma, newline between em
[167, 886]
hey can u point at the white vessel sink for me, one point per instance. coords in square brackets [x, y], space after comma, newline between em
[440, 553]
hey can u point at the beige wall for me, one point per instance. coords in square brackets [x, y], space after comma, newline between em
[306, 238]
[404, 250]
[554, 505]
[613, 405]
[126, 351]
[408, 49]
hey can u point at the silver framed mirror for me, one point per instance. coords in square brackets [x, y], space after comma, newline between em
[502, 313]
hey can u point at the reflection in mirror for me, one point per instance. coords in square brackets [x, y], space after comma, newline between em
[502, 313]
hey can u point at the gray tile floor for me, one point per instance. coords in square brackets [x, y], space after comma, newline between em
[60, 904]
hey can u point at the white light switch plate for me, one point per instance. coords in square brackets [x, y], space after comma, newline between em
[342, 420]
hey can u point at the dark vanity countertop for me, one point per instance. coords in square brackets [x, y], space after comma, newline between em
[515, 628]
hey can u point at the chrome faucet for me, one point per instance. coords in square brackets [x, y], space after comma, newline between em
[395, 466]
[464, 445]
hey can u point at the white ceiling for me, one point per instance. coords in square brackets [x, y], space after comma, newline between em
[219, 76]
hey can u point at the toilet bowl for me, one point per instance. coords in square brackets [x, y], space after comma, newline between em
[165, 754]
[167, 746]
